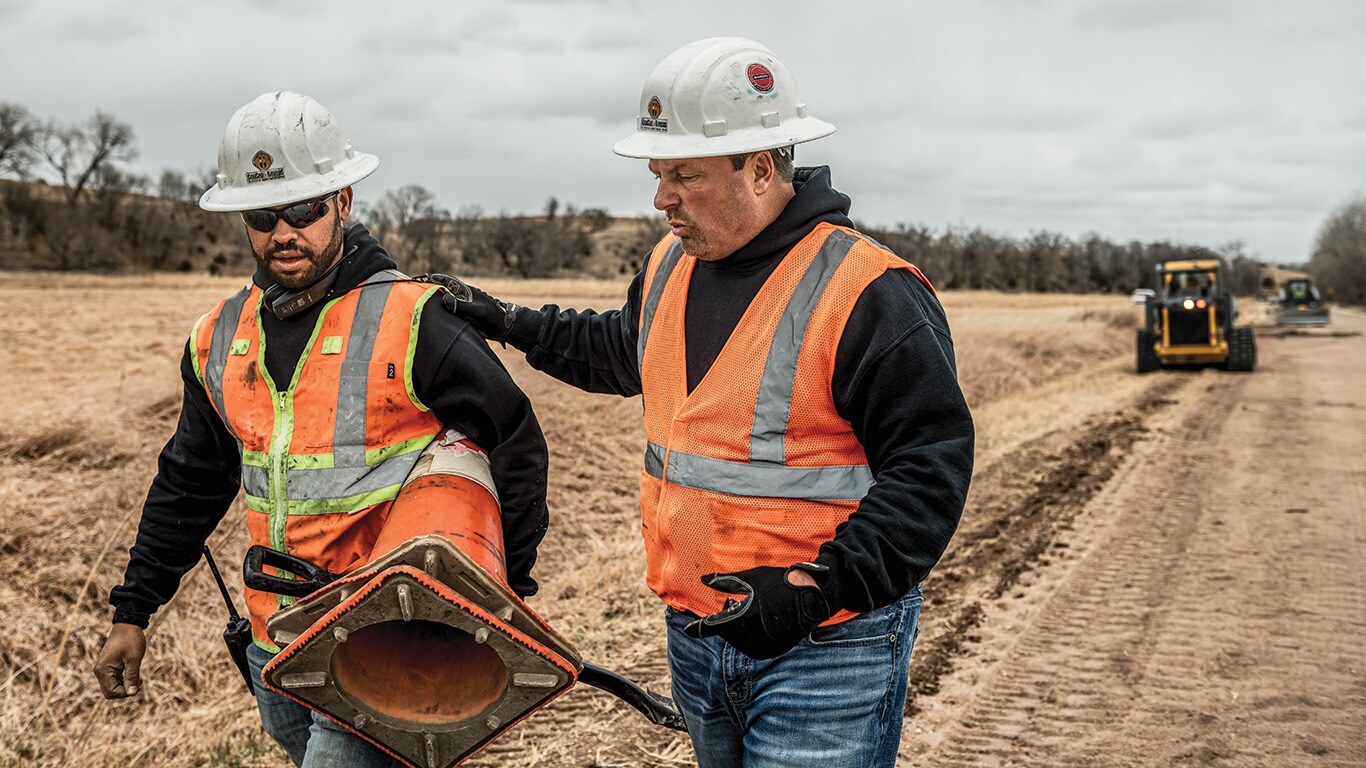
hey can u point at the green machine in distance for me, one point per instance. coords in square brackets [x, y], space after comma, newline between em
[1299, 303]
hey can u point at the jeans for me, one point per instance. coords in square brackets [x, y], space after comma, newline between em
[310, 739]
[836, 700]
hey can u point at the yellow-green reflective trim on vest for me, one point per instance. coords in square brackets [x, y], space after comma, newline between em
[309, 461]
[347, 505]
[314, 478]
[193, 346]
[412, 348]
[377, 455]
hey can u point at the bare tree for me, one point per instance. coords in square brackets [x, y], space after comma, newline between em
[411, 223]
[183, 187]
[18, 132]
[78, 154]
[399, 208]
[1339, 260]
[1043, 267]
[84, 158]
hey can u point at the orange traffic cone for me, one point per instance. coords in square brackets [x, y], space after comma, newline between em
[425, 651]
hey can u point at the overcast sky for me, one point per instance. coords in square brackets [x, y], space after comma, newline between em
[1199, 121]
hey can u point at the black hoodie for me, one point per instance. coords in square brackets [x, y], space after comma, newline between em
[894, 381]
[454, 373]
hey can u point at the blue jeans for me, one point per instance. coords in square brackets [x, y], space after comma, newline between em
[836, 700]
[311, 740]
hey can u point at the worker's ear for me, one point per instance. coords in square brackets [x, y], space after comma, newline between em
[344, 204]
[762, 173]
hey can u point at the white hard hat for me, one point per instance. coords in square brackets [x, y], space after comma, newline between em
[281, 148]
[720, 96]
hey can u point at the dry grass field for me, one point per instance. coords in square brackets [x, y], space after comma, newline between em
[90, 391]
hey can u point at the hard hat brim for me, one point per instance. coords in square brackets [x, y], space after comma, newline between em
[272, 194]
[653, 145]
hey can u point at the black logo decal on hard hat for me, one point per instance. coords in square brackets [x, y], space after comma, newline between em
[654, 122]
[760, 77]
[262, 160]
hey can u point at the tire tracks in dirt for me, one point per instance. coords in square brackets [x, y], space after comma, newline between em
[1018, 509]
[1211, 611]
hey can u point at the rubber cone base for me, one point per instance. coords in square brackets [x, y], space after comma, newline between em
[418, 669]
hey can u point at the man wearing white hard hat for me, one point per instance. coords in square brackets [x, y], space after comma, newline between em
[314, 389]
[809, 448]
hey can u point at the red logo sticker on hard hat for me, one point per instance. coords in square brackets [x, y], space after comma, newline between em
[760, 77]
[262, 160]
[654, 122]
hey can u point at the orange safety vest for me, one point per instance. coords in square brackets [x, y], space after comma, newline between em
[324, 456]
[755, 467]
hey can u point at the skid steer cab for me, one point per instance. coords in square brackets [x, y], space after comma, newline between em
[1299, 303]
[1189, 320]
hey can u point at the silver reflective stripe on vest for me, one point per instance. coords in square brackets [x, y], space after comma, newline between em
[224, 329]
[348, 437]
[256, 481]
[656, 289]
[774, 403]
[841, 483]
[342, 482]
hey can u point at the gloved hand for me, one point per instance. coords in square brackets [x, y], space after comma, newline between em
[491, 317]
[118, 667]
[774, 614]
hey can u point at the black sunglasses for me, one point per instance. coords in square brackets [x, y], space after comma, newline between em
[298, 215]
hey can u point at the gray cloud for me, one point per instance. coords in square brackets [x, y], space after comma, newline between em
[1129, 15]
[1198, 120]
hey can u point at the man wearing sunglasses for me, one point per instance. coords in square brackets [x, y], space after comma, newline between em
[314, 389]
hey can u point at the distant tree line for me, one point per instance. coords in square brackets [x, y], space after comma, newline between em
[561, 241]
[88, 211]
[1047, 262]
[68, 202]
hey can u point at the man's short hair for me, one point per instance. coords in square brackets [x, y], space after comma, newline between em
[782, 161]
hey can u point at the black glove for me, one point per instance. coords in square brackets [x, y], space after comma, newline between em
[491, 317]
[772, 617]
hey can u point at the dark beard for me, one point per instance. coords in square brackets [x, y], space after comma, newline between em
[318, 264]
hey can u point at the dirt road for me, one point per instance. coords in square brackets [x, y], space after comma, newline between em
[1160, 570]
[1170, 574]
[1208, 605]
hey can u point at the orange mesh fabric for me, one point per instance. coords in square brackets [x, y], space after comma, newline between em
[810, 440]
[690, 532]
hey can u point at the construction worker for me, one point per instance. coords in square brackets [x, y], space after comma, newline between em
[315, 388]
[809, 448]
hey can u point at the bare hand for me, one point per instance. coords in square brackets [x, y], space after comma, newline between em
[118, 667]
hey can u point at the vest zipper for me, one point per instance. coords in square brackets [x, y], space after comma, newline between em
[279, 443]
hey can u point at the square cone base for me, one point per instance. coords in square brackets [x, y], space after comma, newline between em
[441, 559]
[421, 671]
